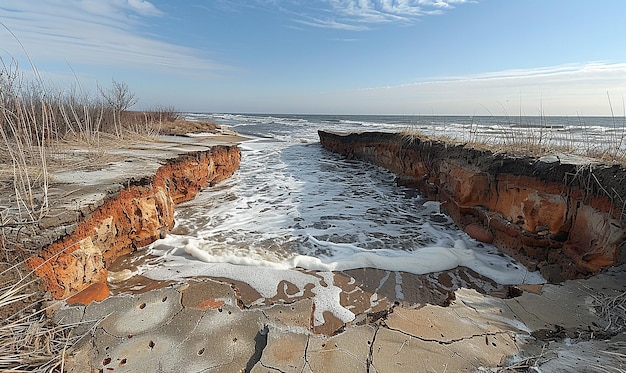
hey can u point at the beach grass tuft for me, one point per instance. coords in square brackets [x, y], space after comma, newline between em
[36, 123]
[612, 309]
[35, 118]
[29, 341]
[521, 137]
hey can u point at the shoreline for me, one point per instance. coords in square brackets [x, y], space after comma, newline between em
[561, 215]
[386, 335]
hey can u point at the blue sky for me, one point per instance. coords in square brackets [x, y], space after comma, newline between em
[421, 57]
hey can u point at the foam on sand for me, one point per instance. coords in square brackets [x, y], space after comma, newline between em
[294, 207]
[266, 278]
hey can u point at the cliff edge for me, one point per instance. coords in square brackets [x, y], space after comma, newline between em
[561, 215]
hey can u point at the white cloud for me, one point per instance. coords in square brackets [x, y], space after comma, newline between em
[352, 15]
[355, 15]
[330, 23]
[573, 89]
[384, 11]
[144, 7]
[100, 32]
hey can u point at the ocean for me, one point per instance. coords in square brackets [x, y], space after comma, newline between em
[294, 212]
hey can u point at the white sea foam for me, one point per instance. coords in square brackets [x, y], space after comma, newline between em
[266, 278]
[294, 206]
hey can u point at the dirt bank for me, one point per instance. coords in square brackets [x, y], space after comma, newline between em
[136, 216]
[214, 323]
[564, 216]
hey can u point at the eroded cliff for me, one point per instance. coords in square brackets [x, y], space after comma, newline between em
[566, 219]
[131, 218]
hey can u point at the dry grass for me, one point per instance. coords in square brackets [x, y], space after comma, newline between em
[409, 135]
[35, 119]
[535, 139]
[37, 125]
[529, 364]
[612, 309]
[29, 342]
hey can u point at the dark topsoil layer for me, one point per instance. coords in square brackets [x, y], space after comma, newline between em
[596, 179]
[13, 254]
[584, 173]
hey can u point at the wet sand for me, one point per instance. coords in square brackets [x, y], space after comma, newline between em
[444, 321]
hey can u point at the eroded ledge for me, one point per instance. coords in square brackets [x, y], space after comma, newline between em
[135, 216]
[567, 219]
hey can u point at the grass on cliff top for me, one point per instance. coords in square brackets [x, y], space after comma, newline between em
[44, 129]
[35, 121]
[37, 125]
[537, 140]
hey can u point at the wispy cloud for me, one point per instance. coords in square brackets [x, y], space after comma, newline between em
[101, 32]
[144, 7]
[331, 23]
[545, 73]
[345, 40]
[228, 6]
[351, 15]
[363, 14]
[571, 89]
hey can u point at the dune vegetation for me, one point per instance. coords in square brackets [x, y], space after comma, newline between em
[36, 122]
[533, 136]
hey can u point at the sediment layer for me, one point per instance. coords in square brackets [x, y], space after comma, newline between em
[131, 218]
[567, 219]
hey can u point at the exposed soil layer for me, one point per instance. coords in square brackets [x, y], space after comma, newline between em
[566, 218]
[137, 215]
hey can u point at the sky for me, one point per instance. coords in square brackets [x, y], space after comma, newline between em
[416, 57]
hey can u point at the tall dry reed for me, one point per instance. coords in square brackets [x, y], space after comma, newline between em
[34, 119]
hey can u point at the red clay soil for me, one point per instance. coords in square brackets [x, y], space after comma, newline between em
[568, 220]
[132, 218]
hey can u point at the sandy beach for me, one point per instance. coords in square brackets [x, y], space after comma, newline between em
[371, 186]
[129, 322]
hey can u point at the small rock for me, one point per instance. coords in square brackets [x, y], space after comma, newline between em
[95, 292]
[478, 232]
[209, 304]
